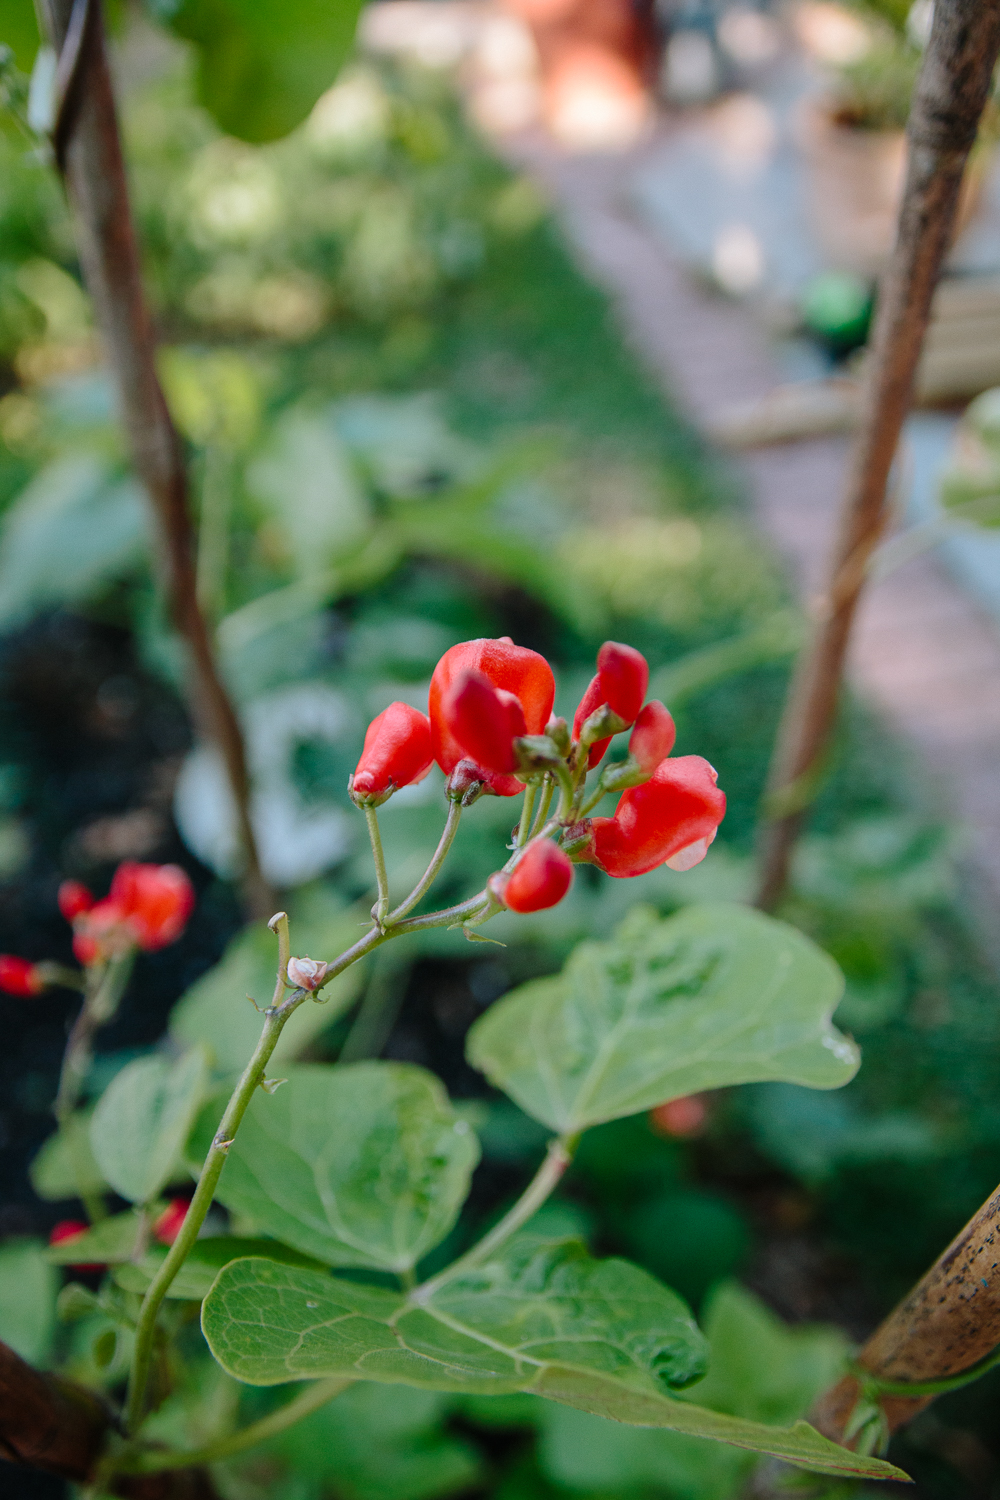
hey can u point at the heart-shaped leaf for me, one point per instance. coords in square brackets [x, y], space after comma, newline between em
[601, 1336]
[143, 1119]
[715, 995]
[364, 1165]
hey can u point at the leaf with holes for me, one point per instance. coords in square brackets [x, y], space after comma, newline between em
[364, 1165]
[602, 1336]
[715, 995]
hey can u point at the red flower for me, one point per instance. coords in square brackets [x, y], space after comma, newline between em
[653, 737]
[168, 1226]
[72, 1229]
[540, 879]
[512, 669]
[680, 1117]
[397, 752]
[74, 899]
[621, 682]
[484, 720]
[19, 977]
[670, 819]
[148, 906]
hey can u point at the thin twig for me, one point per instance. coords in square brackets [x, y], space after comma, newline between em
[951, 93]
[89, 153]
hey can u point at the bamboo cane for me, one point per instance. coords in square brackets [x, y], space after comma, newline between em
[951, 93]
[89, 154]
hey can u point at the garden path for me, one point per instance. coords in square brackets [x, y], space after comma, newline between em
[924, 653]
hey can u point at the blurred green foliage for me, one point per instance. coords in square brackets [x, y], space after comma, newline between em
[410, 421]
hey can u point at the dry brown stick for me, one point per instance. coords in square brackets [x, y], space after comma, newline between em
[89, 153]
[949, 99]
[60, 1428]
[948, 1323]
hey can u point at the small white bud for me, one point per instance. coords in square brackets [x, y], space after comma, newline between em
[306, 973]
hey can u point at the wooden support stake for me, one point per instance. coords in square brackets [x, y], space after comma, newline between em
[89, 154]
[951, 93]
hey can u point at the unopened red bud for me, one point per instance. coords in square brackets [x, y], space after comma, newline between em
[540, 878]
[485, 721]
[624, 676]
[653, 737]
[74, 899]
[19, 977]
[510, 669]
[73, 1229]
[168, 1226]
[306, 973]
[682, 1117]
[397, 752]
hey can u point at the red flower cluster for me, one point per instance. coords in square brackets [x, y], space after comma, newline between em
[73, 1229]
[147, 907]
[490, 725]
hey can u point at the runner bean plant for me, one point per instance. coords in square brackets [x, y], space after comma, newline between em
[341, 1180]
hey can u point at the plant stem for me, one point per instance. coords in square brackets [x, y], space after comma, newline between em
[430, 874]
[567, 791]
[951, 92]
[309, 1400]
[546, 1179]
[274, 1019]
[100, 1001]
[527, 808]
[382, 906]
[548, 792]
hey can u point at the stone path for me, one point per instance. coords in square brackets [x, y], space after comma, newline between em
[923, 652]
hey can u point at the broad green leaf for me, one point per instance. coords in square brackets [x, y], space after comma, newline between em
[364, 1165]
[217, 1012]
[28, 1288]
[204, 1263]
[498, 1329]
[77, 526]
[262, 64]
[65, 1166]
[604, 1337]
[715, 995]
[105, 1244]
[143, 1119]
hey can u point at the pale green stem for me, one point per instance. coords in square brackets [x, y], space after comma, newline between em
[303, 1405]
[427, 879]
[527, 809]
[382, 906]
[548, 792]
[274, 1019]
[546, 1179]
[279, 926]
[567, 791]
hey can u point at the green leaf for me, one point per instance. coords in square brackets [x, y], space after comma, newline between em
[604, 1337]
[28, 1288]
[262, 64]
[77, 526]
[715, 995]
[498, 1329]
[204, 1263]
[363, 1165]
[216, 1011]
[104, 1244]
[143, 1119]
[65, 1166]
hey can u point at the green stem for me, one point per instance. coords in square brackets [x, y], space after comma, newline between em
[101, 997]
[382, 906]
[274, 1019]
[430, 874]
[875, 1386]
[546, 1179]
[567, 791]
[548, 792]
[309, 1400]
[528, 806]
